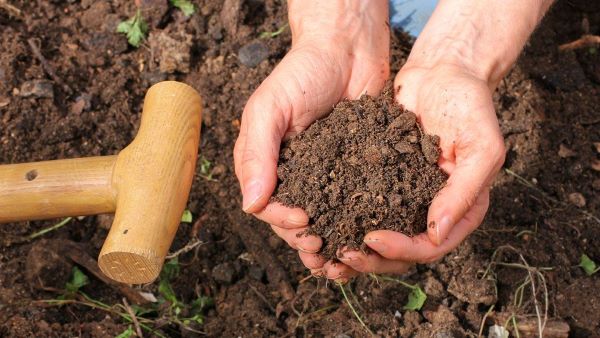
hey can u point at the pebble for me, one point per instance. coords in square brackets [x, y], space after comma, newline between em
[224, 272]
[253, 53]
[564, 151]
[37, 88]
[596, 184]
[4, 101]
[577, 199]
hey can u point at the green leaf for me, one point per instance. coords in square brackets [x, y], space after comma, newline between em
[170, 270]
[265, 35]
[588, 265]
[127, 333]
[166, 290]
[200, 304]
[205, 166]
[185, 6]
[416, 299]
[78, 280]
[135, 29]
[187, 216]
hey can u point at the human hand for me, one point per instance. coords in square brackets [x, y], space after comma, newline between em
[340, 49]
[455, 104]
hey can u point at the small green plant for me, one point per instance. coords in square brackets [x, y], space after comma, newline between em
[205, 168]
[186, 6]
[416, 297]
[187, 216]
[588, 265]
[176, 307]
[78, 280]
[266, 35]
[135, 29]
[127, 333]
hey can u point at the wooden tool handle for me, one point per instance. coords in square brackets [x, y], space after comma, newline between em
[51, 189]
[146, 185]
[152, 178]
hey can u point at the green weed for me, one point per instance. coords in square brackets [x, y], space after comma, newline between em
[135, 29]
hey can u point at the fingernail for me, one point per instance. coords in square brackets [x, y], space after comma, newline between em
[252, 193]
[375, 244]
[443, 229]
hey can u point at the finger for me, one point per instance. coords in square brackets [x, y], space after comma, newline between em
[420, 249]
[477, 162]
[312, 261]
[284, 217]
[297, 240]
[338, 271]
[373, 262]
[264, 125]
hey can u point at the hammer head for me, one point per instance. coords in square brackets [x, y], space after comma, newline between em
[151, 182]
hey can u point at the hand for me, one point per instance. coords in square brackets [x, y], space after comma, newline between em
[340, 49]
[455, 104]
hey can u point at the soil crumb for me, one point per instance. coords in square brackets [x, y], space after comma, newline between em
[367, 166]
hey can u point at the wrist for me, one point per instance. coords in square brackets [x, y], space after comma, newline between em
[333, 22]
[483, 38]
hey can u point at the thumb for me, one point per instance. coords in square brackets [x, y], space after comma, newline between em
[477, 163]
[257, 149]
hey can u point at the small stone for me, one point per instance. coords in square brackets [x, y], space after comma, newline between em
[253, 53]
[4, 101]
[398, 314]
[37, 88]
[577, 199]
[596, 184]
[597, 147]
[564, 151]
[82, 102]
[224, 272]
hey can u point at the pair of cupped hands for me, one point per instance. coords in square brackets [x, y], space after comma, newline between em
[336, 58]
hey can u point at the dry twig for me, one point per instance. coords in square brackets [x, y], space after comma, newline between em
[35, 49]
[136, 323]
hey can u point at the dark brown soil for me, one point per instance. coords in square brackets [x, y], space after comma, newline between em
[367, 166]
[547, 103]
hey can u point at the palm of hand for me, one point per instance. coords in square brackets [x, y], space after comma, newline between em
[303, 87]
[458, 107]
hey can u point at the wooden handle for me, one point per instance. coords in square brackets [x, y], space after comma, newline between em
[51, 189]
[146, 185]
[152, 178]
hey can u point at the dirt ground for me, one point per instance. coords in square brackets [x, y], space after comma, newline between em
[83, 97]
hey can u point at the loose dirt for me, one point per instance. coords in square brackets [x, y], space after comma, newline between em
[367, 166]
[549, 99]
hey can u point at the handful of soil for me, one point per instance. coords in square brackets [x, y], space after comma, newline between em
[367, 166]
